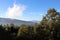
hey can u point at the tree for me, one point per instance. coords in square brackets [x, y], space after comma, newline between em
[51, 12]
[44, 23]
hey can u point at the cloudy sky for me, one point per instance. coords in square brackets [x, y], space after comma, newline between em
[26, 9]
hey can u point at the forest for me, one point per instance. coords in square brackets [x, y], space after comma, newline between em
[47, 29]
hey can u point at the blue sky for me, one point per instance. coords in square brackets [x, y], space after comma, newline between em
[27, 9]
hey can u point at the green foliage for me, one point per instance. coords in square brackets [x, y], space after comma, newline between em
[48, 29]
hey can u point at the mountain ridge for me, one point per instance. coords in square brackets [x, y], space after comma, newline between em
[5, 21]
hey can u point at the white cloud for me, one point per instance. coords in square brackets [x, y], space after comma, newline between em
[15, 11]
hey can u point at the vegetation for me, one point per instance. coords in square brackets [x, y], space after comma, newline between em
[48, 29]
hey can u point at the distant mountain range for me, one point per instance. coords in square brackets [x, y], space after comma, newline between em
[5, 21]
[36, 21]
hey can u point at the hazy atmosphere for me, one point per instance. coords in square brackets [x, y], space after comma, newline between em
[26, 9]
[29, 19]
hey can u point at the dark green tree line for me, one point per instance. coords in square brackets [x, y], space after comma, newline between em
[48, 29]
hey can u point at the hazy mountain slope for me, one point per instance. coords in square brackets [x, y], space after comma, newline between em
[15, 21]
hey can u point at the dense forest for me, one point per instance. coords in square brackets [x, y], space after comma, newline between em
[47, 29]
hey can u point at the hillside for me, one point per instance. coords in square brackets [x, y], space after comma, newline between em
[5, 21]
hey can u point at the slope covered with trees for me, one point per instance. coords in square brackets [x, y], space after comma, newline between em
[48, 29]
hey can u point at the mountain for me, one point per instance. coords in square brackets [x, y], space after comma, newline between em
[36, 21]
[5, 21]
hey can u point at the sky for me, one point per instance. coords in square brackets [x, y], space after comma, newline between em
[27, 10]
